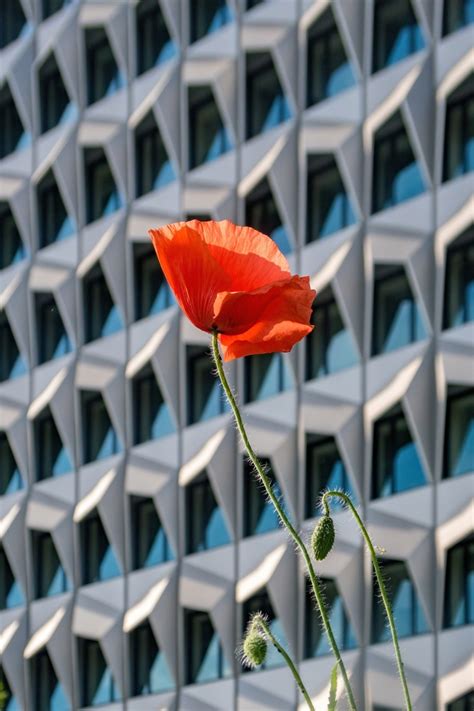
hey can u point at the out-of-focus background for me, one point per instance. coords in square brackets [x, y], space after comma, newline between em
[134, 541]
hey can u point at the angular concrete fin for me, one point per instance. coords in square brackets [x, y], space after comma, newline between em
[420, 405]
[423, 269]
[420, 564]
[221, 474]
[350, 17]
[283, 181]
[66, 173]
[166, 109]
[352, 167]
[347, 283]
[281, 590]
[112, 513]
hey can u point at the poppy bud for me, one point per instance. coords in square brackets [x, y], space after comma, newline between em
[254, 648]
[322, 539]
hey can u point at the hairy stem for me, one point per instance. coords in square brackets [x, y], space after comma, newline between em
[381, 584]
[284, 519]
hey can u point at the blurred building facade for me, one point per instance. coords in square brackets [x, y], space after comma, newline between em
[134, 541]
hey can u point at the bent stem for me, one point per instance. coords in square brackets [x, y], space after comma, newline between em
[284, 519]
[381, 584]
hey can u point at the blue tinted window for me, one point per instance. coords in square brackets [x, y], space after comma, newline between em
[205, 523]
[330, 346]
[102, 195]
[152, 417]
[99, 437]
[266, 375]
[12, 21]
[11, 245]
[153, 167]
[459, 437]
[10, 591]
[459, 131]
[152, 293]
[207, 17]
[259, 513]
[260, 602]
[396, 317]
[262, 214]
[54, 99]
[54, 222]
[53, 341]
[101, 315]
[48, 693]
[11, 363]
[466, 702]
[406, 607]
[98, 558]
[150, 542]
[103, 75]
[457, 14]
[396, 33]
[328, 208]
[52, 458]
[13, 136]
[205, 660]
[267, 105]
[97, 682]
[149, 669]
[459, 281]
[50, 576]
[459, 585]
[325, 469]
[316, 642]
[154, 44]
[205, 395]
[208, 138]
[10, 476]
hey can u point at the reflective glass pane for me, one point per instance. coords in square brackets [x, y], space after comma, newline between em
[10, 476]
[324, 470]
[396, 33]
[206, 527]
[259, 513]
[329, 208]
[396, 319]
[459, 439]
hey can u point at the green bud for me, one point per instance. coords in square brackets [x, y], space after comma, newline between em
[254, 648]
[322, 539]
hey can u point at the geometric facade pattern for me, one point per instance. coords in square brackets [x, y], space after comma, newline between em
[133, 540]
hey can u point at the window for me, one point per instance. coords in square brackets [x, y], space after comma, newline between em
[102, 196]
[11, 245]
[12, 22]
[10, 592]
[12, 134]
[152, 293]
[265, 375]
[262, 214]
[266, 102]
[98, 558]
[10, 477]
[54, 99]
[396, 465]
[396, 319]
[53, 341]
[457, 14]
[150, 673]
[150, 542]
[153, 167]
[103, 75]
[329, 72]
[459, 283]
[99, 437]
[11, 362]
[48, 693]
[54, 222]
[330, 346]
[325, 469]
[404, 601]
[396, 33]
[459, 131]
[97, 682]
[205, 659]
[259, 513]
[52, 458]
[260, 602]
[316, 643]
[459, 584]
[253, 3]
[205, 524]
[154, 44]
[464, 703]
[52, 6]
[459, 433]
[328, 206]
[207, 17]
[205, 395]
[208, 137]
[8, 699]
[152, 417]
[101, 315]
[396, 175]
[50, 576]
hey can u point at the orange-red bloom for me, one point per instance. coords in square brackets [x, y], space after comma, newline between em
[235, 280]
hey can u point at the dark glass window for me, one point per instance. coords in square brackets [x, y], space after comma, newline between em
[262, 214]
[329, 71]
[101, 316]
[97, 682]
[205, 394]
[396, 175]
[325, 469]
[6, 696]
[54, 98]
[52, 458]
[153, 167]
[396, 465]
[208, 137]
[98, 558]
[330, 346]
[12, 21]
[207, 17]
[253, 3]
[459, 131]
[259, 513]
[10, 477]
[403, 598]
[459, 584]
[459, 281]
[152, 293]
[205, 659]
[154, 44]
[466, 702]
[328, 206]
[265, 375]
[103, 75]
[150, 542]
[149, 670]
[53, 341]
[205, 524]
[457, 14]
[396, 318]
[12, 134]
[11, 245]
[48, 693]
[316, 642]
[152, 418]
[459, 433]
[99, 437]
[50, 576]
[52, 6]
[10, 592]
[54, 222]
[11, 362]
[260, 602]
[102, 195]
[266, 102]
[396, 33]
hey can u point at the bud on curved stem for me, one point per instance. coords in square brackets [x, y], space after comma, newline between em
[323, 536]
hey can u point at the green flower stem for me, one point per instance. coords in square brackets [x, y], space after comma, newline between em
[286, 522]
[288, 660]
[381, 584]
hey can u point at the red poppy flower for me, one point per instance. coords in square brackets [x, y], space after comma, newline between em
[235, 280]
